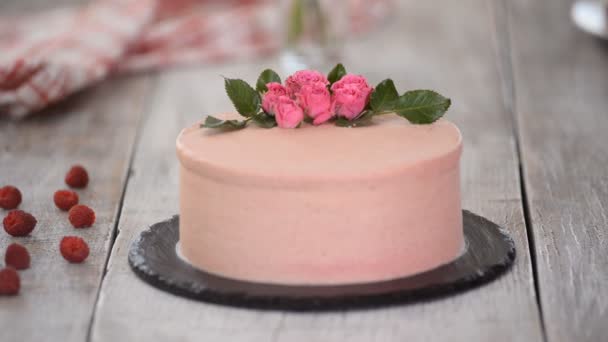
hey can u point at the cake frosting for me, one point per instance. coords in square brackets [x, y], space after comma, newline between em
[321, 205]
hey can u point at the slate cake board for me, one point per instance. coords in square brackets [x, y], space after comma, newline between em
[490, 252]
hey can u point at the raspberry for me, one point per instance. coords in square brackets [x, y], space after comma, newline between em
[9, 282]
[10, 197]
[17, 256]
[77, 177]
[81, 216]
[65, 199]
[74, 249]
[19, 223]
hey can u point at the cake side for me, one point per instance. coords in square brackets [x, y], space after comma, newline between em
[324, 205]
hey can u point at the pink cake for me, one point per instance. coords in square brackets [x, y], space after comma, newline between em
[321, 204]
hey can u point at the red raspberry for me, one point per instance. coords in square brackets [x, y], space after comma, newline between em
[77, 177]
[65, 199]
[17, 256]
[19, 223]
[9, 282]
[74, 249]
[10, 197]
[81, 216]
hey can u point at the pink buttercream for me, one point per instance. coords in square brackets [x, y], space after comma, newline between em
[321, 205]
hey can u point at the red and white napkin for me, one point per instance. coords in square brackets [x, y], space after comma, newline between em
[48, 56]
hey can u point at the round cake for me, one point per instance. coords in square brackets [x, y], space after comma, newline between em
[321, 204]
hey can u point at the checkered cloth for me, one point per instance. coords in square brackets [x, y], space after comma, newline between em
[49, 56]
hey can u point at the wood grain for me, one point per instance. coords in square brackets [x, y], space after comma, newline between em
[561, 101]
[97, 129]
[453, 51]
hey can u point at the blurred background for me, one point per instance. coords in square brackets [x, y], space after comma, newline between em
[59, 48]
[52, 49]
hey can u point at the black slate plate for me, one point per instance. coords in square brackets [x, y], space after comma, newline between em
[490, 252]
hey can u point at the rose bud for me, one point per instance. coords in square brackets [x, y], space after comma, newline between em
[288, 114]
[301, 78]
[315, 100]
[275, 90]
[350, 96]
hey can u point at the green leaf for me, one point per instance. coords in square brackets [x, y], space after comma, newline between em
[267, 76]
[245, 99]
[364, 119]
[364, 116]
[421, 106]
[264, 120]
[343, 122]
[383, 96]
[336, 73]
[213, 122]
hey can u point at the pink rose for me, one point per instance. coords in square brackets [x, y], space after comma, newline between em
[301, 78]
[350, 96]
[275, 90]
[287, 112]
[315, 100]
[358, 80]
[322, 118]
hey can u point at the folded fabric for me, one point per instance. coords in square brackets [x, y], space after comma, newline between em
[49, 56]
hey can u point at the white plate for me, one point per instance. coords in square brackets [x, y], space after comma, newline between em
[590, 16]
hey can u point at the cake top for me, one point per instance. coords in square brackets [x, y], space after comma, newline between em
[318, 154]
[309, 96]
[382, 142]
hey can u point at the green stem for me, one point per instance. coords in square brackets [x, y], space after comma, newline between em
[296, 21]
[382, 112]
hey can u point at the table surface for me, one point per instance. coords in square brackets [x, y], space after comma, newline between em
[529, 92]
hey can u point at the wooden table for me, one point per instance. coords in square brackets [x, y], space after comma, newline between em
[529, 91]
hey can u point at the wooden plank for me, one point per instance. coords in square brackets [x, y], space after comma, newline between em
[450, 50]
[561, 92]
[97, 129]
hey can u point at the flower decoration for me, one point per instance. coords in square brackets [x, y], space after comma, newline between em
[270, 98]
[315, 99]
[288, 113]
[309, 96]
[351, 96]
